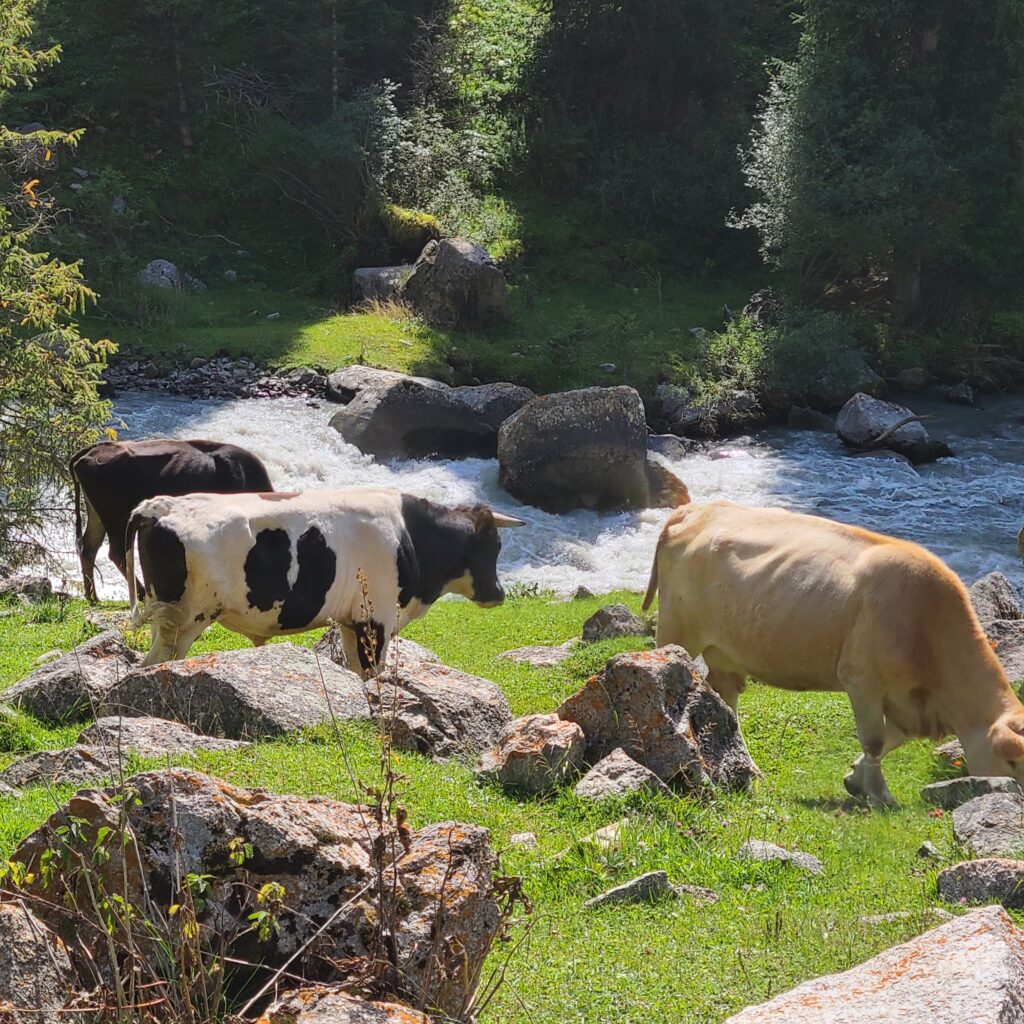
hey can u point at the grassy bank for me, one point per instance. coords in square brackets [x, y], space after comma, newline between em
[670, 962]
[558, 338]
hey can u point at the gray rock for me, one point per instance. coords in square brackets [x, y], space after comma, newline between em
[960, 394]
[243, 694]
[657, 708]
[151, 737]
[32, 588]
[989, 880]
[439, 896]
[1008, 637]
[439, 711]
[349, 382]
[914, 378]
[119, 205]
[991, 825]
[540, 656]
[9, 792]
[582, 449]
[607, 367]
[160, 274]
[454, 283]
[951, 753]
[614, 620]
[231, 276]
[676, 410]
[331, 1004]
[864, 421]
[994, 597]
[71, 688]
[928, 851]
[932, 913]
[970, 969]
[951, 793]
[582, 593]
[405, 420]
[494, 402]
[527, 840]
[305, 377]
[48, 656]
[381, 283]
[668, 445]
[109, 620]
[71, 766]
[535, 754]
[799, 418]
[757, 849]
[35, 970]
[644, 889]
[618, 775]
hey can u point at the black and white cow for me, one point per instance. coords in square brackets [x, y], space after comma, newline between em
[264, 565]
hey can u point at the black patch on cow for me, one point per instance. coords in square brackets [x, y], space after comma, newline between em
[266, 569]
[317, 566]
[369, 642]
[163, 561]
[438, 545]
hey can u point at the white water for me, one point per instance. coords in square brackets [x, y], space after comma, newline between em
[966, 509]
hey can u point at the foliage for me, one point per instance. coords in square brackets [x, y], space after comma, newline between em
[48, 372]
[409, 230]
[889, 152]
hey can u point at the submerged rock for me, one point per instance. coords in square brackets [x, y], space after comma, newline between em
[867, 423]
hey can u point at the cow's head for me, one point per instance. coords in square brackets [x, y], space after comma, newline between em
[999, 751]
[481, 545]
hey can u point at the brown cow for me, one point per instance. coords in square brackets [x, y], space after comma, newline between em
[804, 603]
[115, 476]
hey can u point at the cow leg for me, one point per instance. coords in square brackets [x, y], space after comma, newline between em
[729, 686]
[88, 547]
[117, 556]
[867, 779]
[171, 643]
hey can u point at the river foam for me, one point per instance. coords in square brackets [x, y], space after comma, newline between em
[967, 509]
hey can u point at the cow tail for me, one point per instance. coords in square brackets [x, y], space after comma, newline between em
[652, 585]
[137, 616]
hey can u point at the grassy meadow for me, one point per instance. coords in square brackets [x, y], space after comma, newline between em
[674, 961]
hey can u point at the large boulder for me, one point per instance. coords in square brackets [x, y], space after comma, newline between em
[243, 694]
[68, 766]
[676, 410]
[494, 402]
[439, 711]
[988, 880]
[454, 283]
[35, 971]
[867, 423]
[581, 449]
[151, 737]
[1007, 636]
[534, 754]
[656, 706]
[991, 825]
[432, 908]
[71, 688]
[969, 969]
[331, 1004]
[160, 274]
[993, 598]
[381, 283]
[30, 589]
[406, 420]
[349, 382]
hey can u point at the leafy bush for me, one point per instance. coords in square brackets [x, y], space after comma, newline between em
[409, 230]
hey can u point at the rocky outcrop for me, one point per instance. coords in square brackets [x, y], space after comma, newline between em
[989, 880]
[969, 969]
[455, 284]
[582, 449]
[657, 708]
[351, 381]
[614, 620]
[381, 283]
[35, 971]
[618, 775]
[676, 410]
[993, 598]
[69, 766]
[73, 687]
[991, 825]
[439, 711]
[535, 754]
[494, 402]
[150, 737]
[160, 274]
[243, 694]
[406, 420]
[867, 423]
[759, 850]
[420, 925]
[951, 793]
[330, 1004]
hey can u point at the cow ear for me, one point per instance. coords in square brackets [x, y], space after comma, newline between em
[504, 522]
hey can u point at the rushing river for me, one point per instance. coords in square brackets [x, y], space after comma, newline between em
[967, 509]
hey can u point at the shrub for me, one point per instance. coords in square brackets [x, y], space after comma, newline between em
[409, 230]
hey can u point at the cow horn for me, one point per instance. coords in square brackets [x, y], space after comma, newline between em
[504, 522]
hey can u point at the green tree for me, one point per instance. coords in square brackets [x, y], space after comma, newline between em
[887, 158]
[48, 372]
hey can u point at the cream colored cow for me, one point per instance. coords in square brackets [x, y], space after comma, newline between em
[804, 603]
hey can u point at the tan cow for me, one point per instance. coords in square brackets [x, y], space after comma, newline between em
[804, 603]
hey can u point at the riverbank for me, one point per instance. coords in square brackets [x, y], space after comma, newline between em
[676, 960]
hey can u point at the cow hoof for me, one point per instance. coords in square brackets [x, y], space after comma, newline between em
[852, 784]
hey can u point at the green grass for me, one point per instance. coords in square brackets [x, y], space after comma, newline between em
[670, 962]
[558, 337]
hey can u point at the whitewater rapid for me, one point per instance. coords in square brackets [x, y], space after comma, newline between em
[967, 509]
